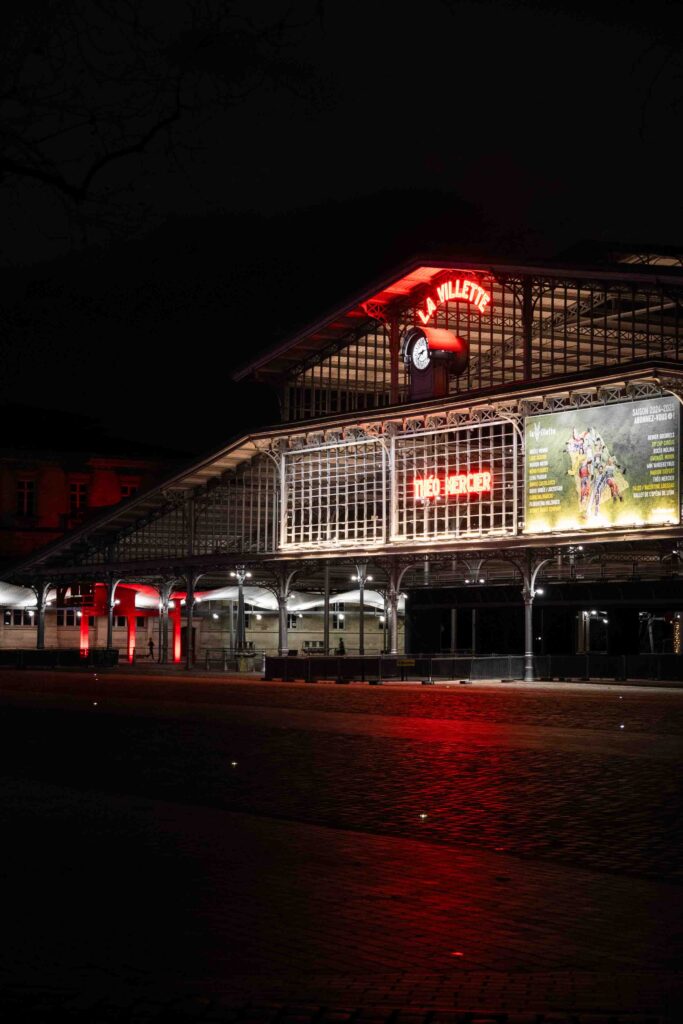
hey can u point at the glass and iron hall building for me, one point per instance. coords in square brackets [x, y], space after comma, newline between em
[474, 459]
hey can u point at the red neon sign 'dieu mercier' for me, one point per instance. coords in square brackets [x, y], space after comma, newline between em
[477, 482]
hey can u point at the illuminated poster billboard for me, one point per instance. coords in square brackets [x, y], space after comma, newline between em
[603, 466]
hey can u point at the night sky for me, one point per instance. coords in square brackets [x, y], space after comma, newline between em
[304, 155]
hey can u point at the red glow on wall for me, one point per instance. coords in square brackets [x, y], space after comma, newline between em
[457, 289]
[175, 614]
[131, 637]
[477, 481]
[85, 637]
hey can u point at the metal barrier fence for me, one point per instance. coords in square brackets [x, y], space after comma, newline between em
[55, 657]
[428, 667]
[231, 659]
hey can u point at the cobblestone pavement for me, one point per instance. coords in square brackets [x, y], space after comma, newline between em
[283, 853]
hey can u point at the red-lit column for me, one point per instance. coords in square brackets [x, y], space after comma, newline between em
[85, 637]
[189, 610]
[130, 646]
[175, 615]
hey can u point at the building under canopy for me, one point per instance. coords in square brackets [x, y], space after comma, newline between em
[469, 434]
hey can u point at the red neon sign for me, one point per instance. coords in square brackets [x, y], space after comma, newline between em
[477, 482]
[458, 289]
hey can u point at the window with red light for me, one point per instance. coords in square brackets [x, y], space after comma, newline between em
[26, 498]
[78, 496]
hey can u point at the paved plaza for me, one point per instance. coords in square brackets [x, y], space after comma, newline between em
[202, 849]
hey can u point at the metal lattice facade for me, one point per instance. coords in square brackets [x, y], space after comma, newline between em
[444, 454]
[335, 495]
[538, 327]
[352, 377]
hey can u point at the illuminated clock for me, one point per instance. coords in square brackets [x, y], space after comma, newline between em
[430, 355]
[420, 353]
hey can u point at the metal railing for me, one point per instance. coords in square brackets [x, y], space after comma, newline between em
[232, 659]
[59, 657]
[429, 667]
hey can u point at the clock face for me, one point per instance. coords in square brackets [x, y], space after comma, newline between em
[420, 354]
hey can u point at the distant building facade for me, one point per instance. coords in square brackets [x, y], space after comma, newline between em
[44, 494]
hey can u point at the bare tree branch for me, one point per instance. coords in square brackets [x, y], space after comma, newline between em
[86, 85]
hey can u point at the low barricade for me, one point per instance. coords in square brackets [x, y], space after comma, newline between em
[232, 659]
[53, 657]
[426, 668]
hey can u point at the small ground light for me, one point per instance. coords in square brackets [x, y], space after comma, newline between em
[423, 816]
[457, 953]
[94, 703]
[234, 764]
[621, 726]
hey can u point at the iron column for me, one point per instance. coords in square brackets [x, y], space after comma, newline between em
[241, 574]
[361, 577]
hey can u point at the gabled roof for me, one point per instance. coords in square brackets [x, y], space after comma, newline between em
[396, 289]
[147, 502]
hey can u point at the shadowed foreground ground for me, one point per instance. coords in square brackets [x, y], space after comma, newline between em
[188, 849]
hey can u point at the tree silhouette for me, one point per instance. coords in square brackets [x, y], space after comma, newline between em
[97, 94]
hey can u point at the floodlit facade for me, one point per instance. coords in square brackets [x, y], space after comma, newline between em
[487, 452]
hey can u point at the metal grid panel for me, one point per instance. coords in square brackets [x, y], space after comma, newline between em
[537, 326]
[352, 377]
[165, 536]
[443, 454]
[241, 514]
[334, 495]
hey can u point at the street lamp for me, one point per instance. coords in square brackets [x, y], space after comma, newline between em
[361, 577]
[240, 574]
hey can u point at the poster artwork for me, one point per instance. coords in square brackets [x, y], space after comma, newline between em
[603, 466]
